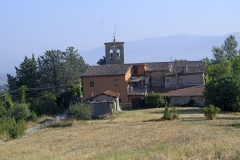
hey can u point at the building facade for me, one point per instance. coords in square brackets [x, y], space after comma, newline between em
[181, 81]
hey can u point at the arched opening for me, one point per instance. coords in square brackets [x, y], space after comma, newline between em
[118, 54]
[111, 54]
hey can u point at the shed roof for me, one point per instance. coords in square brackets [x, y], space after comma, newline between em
[108, 93]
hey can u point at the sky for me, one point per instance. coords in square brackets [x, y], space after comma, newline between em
[28, 26]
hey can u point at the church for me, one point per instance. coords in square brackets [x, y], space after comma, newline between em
[181, 81]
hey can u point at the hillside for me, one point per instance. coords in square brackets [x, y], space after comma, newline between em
[136, 134]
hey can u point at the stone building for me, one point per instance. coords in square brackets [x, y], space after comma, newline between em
[180, 81]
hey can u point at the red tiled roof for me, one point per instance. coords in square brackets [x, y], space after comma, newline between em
[183, 91]
[111, 93]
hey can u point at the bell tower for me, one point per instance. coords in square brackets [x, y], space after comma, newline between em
[114, 52]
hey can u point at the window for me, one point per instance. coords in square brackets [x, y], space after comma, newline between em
[91, 84]
[116, 82]
[135, 69]
[163, 79]
[167, 80]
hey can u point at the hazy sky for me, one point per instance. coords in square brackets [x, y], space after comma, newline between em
[34, 26]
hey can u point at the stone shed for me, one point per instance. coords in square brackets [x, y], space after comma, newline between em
[106, 102]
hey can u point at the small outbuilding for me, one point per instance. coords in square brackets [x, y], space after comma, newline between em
[104, 103]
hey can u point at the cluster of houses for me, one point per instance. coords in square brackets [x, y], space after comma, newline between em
[129, 84]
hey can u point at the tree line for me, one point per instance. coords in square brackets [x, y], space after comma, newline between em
[223, 76]
[42, 85]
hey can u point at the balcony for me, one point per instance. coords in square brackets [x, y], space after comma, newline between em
[137, 90]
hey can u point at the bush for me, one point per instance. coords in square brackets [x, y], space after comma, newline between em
[224, 93]
[48, 106]
[11, 127]
[16, 129]
[21, 111]
[81, 111]
[192, 103]
[171, 114]
[2, 110]
[155, 100]
[33, 117]
[211, 112]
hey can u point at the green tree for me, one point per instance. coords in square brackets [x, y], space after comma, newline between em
[155, 100]
[6, 100]
[230, 47]
[21, 111]
[219, 54]
[219, 70]
[227, 51]
[50, 66]
[26, 75]
[74, 66]
[236, 65]
[224, 93]
[2, 110]
[206, 61]
[61, 69]
[102, 61]
[23, 94]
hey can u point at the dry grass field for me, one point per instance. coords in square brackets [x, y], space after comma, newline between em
[137, 134]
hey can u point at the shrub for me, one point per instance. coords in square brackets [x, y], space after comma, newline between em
[2, 110]
[155, 100]
[211, 112]
[192, 103]
[11, 127]
[47, 106]
[21, 111]
[33, 117]
[16, 129]
[224, 93]
[171, 114]
[81, 111]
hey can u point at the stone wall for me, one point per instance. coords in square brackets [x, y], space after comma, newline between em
[157, 78]
[191, 79]
[102, 108]
[184, 100]
[114, 52]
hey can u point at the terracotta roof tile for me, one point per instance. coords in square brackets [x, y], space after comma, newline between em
[111, 93]
[177, 67]
[184, 91]
[107, 70]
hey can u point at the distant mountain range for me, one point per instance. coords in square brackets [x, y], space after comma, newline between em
[160, 49]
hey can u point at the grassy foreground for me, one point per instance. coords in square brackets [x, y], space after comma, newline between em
[136, 134]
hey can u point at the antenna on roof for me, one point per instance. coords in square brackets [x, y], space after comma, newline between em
[170, 58]
[114, 34]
